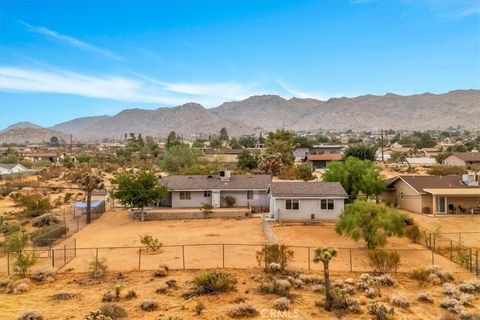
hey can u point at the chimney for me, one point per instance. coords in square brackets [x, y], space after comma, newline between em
[225, 175]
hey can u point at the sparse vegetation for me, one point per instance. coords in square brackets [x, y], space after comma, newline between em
[213, 282]
[242, 310]
[113, 310]
[152, 244]
[383, 261]
[277, 253]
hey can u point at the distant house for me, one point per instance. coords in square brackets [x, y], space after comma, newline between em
[421, 161]
[9, 168]
[433, 194]
[300, 154]
[42, 156]
[327, 148]
[306, 201]
[193, 191]
[321, 161]
[465, 159]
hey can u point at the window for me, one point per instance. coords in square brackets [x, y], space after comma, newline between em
[185, 195]
[327, 204]
[207, 194]
[249, 195]
[401, 195]
[292, 204]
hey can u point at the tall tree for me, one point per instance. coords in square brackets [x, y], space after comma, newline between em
[90, 182]
[171, 140]
[224, 135]
[270, 163]
[361, 152]
[138, 190]
[371, 221]
[281, 141]
[247, 161]
[178, 158]
[304, 172]
[356, 176]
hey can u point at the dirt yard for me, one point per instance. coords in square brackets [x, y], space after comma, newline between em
[451, 226]
[209, 243]
[412, 255]
[89, 295]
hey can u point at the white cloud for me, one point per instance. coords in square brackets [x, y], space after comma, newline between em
[294, 92]
[70, 40]
[134, 90]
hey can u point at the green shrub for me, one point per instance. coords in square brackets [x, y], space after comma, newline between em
[213, 282]
[46, 219]
[34, 204]
[150, 242]
[413, 233]
[279, 254]
[229, 201]
[97, 267]
[383, 261]
[113, 310]
[23, 263]
[207, 209]
[441, 170]
[44, 236]
[420, 275]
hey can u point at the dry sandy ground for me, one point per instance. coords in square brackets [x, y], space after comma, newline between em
[451, 225]
[216, 306]
[203, 237]
[412, 255]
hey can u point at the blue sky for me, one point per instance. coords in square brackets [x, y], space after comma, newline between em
[65, 59]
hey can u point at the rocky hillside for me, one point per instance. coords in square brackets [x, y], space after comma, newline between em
[31, 135]
[269, 112]
[23, 124]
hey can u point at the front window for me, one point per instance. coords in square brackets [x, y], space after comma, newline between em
[249, 195]
[185, 195]
[292, 204]
[207, 194]
[327, 204]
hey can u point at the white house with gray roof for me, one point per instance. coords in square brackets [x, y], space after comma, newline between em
[185, 191]
[9, 168]
[306, 201]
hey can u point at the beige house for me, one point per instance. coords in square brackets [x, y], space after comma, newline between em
[464, 159]
[452, 194]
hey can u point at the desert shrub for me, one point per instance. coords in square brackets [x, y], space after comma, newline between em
[380, 311]
[45, 275]
[274, 268]
[207, 209]
[279, 254]
[281, 304]
[172, 283]
[23, 263]
[97, 267]
[399, 301]
[96, 315]
[34, 204]
[131, 294]
[420, 275]
[242, 310]
[162, 289]
[436, 273]
[213, 282]
[9, 227]
[383, 261]
[199, 307]
[67, 197]
[229, 201]
[470, 286]
[30, 315]
[449, 316]
[277, 286]
[310, 279]
[113, 310]
[45, 220]
[161, 271]
[46, 234]
[149, 305]
[150, 242]
[109, 297]
[62, 296]
[424, 297]
[413, 233]
[441, 170]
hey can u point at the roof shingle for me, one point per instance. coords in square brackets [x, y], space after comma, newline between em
[203, 182]
[307, 189]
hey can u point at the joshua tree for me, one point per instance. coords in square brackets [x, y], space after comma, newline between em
[324, 255]
[89, 182]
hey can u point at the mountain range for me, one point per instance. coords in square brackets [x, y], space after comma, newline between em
[460, 108]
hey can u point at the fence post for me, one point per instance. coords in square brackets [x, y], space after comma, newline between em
[309, 259]
[433, 258]
[183, 256]
[451, 249]
[8, 262]
[139, 258]
[74, 247]
[96, 260]
[223, 256]
[64, 254]
[53, 258]
[476, 262]
[471, 260]
[430, 240]
[351, 266]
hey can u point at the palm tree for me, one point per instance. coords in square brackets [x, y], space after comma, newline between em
[89, 182]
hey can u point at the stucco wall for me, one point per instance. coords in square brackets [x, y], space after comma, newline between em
[453, 161]
[196, 201]
[306, 208]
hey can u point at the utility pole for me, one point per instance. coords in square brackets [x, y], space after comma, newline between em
[381, 141]
[71, 142]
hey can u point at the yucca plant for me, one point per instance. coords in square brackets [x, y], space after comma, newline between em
[213, 282]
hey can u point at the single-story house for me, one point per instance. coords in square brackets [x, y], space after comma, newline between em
[42, 156]
[306, 201]
[327, 148]
[186, 191]
[465, 159]
[300, 154]
[433, 194]
[321, 161]
[9, 168]
[421, 161]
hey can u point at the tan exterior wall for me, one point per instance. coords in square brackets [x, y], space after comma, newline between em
[453, 161]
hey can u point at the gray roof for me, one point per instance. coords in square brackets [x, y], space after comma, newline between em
[419, 183]
[307, 189]
[8, 165]
[202, 182]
